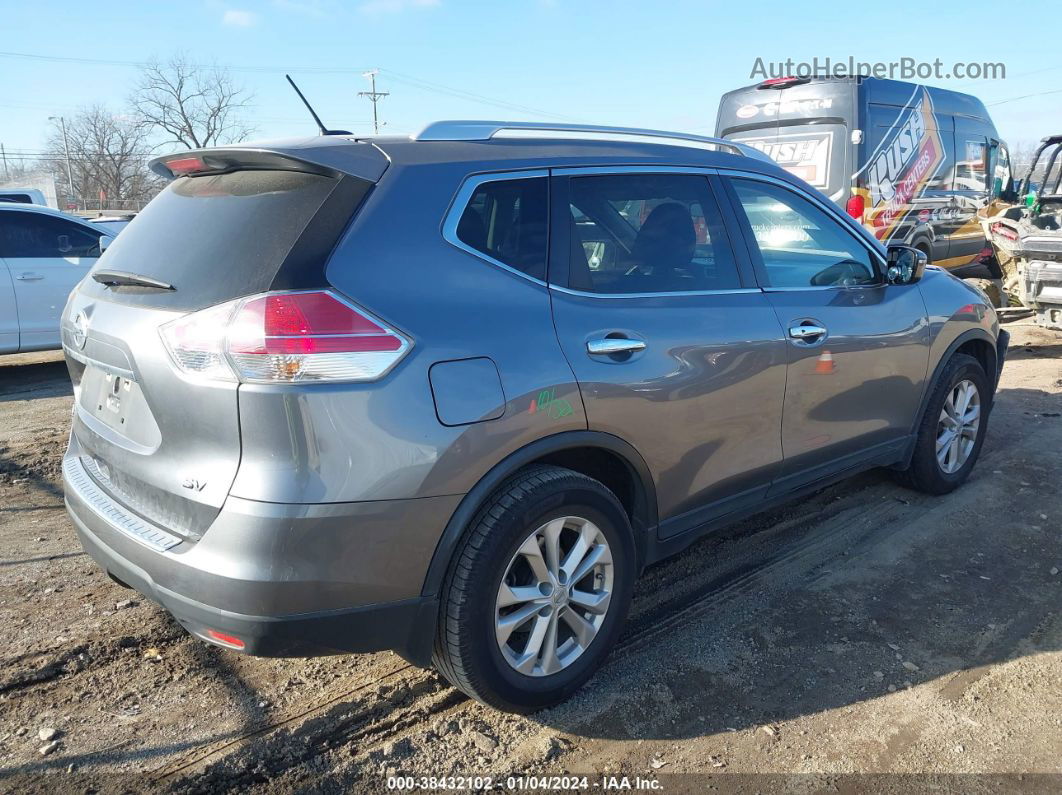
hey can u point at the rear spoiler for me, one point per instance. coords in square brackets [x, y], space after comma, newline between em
[341, 156]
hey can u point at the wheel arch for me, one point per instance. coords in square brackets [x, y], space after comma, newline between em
[923, 240]
[975, 342]
[599, 455]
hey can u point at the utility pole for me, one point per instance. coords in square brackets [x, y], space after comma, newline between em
[3, 154]
[375, 96]
[66, 147]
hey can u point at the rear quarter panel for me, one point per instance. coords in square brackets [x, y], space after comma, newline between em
[384, 440]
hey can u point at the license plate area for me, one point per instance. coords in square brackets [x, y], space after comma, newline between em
[117, 401]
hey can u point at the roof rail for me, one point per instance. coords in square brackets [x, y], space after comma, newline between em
[487, 130]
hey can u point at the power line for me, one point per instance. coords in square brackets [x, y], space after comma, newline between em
[458, 93]
[1024, 96]
[111, 62]
[410, 80]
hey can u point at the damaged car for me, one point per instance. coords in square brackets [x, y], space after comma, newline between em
[1026, 236]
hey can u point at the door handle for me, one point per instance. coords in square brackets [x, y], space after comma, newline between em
[29, 277]
[613, 345]
[807, 333]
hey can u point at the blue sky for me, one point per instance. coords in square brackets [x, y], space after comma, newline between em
[651, 64]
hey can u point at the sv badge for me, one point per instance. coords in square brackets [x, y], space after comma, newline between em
[194, 484]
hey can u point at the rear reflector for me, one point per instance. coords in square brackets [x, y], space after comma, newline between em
[855, 207]
[284, 337]
[224, 639]
[1004, 231]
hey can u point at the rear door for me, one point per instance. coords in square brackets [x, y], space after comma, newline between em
[166, 444]
[674, 349]
[971, 191]
[804, 126]
[47, 256]
[857, 348]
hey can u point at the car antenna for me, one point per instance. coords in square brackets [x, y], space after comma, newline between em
[320, 126]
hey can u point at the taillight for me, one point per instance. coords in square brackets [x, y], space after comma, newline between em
[855, 207]
[284, 337]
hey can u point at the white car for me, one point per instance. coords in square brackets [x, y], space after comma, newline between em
[43, 254]
[111, 224]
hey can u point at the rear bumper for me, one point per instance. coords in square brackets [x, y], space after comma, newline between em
[287, 580]
[1043, 290]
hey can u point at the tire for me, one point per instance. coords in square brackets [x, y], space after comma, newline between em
[536, 503]
[927, 472]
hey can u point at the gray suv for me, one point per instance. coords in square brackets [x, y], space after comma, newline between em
[450, 394]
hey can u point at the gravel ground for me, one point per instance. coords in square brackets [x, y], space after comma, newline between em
[865, 630]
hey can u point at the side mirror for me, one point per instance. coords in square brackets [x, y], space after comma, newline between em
[906, 264]
[105, 242]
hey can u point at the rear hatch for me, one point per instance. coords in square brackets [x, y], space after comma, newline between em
[802, 125]
[161, 442]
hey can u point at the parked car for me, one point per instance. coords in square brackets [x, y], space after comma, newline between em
[908, 161]
[43, 254]
[449, 395]
[112, 224]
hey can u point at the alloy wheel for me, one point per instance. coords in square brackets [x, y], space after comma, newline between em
[554, 596]
[960, 418]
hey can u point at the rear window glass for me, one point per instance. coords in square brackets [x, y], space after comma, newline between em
[812, 152]
[507, 221]
[214, 238]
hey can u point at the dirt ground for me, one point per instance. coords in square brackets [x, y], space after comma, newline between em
[865, 630]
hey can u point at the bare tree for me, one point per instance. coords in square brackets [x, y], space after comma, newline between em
[108, 159]
[1021, 155]
[191, 105]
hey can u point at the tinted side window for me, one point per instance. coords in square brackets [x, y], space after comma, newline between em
[801, 245]
[647, 233]
[507, 221]
[25, 234]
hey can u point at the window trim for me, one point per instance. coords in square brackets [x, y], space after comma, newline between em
[460, 204]
[567, 172]
[858, 235]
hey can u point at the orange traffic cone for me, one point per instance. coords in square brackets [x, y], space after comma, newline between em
[824, 366]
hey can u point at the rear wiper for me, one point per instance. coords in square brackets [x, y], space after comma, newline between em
[126, 279]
